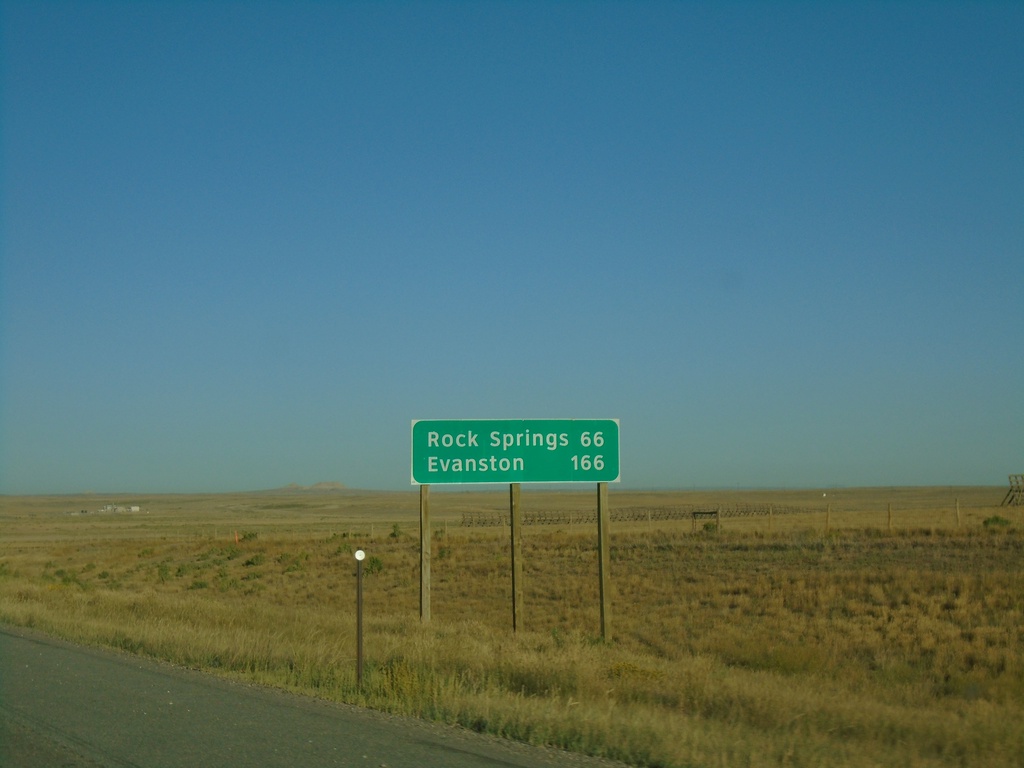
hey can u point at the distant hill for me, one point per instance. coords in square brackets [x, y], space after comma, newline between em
[328, 487]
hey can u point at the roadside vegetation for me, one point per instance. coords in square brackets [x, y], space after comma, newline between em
[863, 645]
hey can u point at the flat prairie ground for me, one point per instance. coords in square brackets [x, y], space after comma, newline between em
[871, 627]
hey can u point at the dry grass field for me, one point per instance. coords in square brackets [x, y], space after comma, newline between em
[881, 641]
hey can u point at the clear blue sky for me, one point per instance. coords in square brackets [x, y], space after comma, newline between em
[245, 244]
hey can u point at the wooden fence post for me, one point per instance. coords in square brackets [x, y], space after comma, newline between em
[890, 517]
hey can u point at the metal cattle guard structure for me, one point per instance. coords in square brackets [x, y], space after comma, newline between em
[515, 451]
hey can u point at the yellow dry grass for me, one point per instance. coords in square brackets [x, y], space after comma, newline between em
[862, 645]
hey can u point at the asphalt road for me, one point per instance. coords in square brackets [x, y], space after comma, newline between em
[68, 706]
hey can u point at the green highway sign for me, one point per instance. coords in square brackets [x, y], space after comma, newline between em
[515, 451]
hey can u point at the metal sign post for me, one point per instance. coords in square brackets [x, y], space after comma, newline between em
[425, 554]
[515, 517]
[604, 558]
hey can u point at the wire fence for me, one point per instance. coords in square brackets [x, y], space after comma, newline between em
[484, 518]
